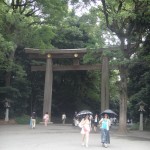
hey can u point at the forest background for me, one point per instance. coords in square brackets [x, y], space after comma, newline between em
[64, 24]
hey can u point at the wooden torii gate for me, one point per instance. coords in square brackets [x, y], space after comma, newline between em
[75, 55]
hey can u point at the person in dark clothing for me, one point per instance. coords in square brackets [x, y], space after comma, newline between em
[33, 120]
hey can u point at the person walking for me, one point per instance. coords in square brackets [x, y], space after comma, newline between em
[85, 125]
[105, 124]
[33, 120]
[46, 118]
[95, 122]
[64, 118]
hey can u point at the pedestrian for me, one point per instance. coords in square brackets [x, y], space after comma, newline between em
[46, 118]
[64, 118]
[75, 119]
[95, 122]
[114, 120]
[33, 120]
[85, 125]
[105, 124]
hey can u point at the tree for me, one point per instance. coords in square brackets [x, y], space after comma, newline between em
[122, 18]
[139, 87]
[125, 19]
[19, 17]
[74, 90]
[24, 23]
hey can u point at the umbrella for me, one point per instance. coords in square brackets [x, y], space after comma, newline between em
[109, 112]
[84, 112]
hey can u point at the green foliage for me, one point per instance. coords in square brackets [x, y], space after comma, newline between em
[25, 119]
[139, 75]
[6, 48]
[70, 35]
[40, 37]
[31, 24]
[135, 126]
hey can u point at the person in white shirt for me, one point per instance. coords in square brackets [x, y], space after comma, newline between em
[64, 118]
[46, 118]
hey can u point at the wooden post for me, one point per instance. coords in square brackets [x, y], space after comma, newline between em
[48, 86]
[105, 84]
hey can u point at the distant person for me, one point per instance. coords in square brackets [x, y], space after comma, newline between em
[64, 118]
[75, 119]
[114, 120]
[95, 122]
[46, 118]
[105, 125]
[111, 121]
[85, 125]
[33, 120]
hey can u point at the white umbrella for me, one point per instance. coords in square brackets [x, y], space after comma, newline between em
[84, 112]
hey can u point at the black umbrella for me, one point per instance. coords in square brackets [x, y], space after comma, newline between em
[84, 112]
[109, 112]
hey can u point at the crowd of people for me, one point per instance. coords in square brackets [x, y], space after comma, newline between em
[87, 123]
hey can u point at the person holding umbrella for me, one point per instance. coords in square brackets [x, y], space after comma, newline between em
[105, 124]
[85, 125]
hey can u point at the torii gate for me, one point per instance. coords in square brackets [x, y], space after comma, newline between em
[75, 55]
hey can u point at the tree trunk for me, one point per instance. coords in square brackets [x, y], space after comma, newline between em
[123, 100]
[7, 78]
[8, 74]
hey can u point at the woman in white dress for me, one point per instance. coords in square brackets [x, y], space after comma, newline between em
[46, 118]
[85, 125]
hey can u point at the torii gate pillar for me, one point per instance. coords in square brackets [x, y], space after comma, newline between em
[105, 84]
[48, 86]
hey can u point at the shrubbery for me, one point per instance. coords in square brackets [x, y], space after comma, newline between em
[25, 119]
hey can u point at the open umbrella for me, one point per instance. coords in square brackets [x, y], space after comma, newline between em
[109, 112]
[84, 112]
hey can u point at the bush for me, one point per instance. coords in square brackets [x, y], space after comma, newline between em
[147, 126]
[25, 119]
[135, 126]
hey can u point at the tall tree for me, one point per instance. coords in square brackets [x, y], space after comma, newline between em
[122, 18]
[125, 19]
[18, 18]
[24, 23]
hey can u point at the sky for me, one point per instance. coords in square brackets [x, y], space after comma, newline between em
[82, 8]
